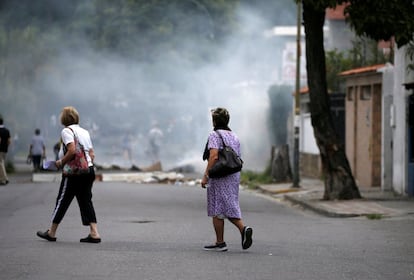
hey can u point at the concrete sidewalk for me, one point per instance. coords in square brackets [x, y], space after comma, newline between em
[375, 203]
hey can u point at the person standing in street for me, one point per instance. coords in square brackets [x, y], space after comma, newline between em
[79, 186]
[37, 150]
[223, 193]
[56, 149]
[155, 136]
[5, 141]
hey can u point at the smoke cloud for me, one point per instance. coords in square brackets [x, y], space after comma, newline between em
[117, 96]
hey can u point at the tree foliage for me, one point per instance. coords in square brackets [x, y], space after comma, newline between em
[140, 28]
[383, 19]
[364, 52]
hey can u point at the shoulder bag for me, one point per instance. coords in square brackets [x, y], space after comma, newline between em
[228, 162]
[78, 164]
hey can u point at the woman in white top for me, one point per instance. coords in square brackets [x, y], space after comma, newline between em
[79, 186]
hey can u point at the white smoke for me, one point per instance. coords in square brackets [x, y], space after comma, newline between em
[117, 96]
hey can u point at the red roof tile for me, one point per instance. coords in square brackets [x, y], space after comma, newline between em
[303, 90]
[360, 70]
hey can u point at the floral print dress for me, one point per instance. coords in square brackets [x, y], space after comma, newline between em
[223, 193]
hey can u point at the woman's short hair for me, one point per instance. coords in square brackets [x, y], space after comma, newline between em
[69, 116]
[221, 117]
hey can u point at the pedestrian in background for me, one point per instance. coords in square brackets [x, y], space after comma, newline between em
[155, 136]
[37, 150]
[79, 186]
[56, 149]
[223, 193]
[5, 141]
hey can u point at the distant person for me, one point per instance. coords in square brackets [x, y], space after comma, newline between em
[79, 186]
[56, 149]
[37, 150]
[155, 136]
[223, 193]
[5, 142]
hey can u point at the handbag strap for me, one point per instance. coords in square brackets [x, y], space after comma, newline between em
[75, 137]
[221, 137]
[225, 145]
[76, 140]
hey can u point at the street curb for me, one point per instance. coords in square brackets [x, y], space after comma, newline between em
[305, 204]
[308, 205]
[276, 192]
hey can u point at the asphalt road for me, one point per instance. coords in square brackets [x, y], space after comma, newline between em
[158, 232]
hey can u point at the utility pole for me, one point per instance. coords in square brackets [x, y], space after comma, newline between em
[296, 176]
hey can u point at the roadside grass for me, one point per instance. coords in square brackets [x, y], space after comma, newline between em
[253, 179]
[375, 216]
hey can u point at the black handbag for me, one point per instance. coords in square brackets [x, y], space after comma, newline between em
[228, 162]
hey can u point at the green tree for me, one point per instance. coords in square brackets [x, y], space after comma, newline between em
[150, 29]
[382, 19]
[336, 62]
[364, 52]
[376, 19]
[339, 181]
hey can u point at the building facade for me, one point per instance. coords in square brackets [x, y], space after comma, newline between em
[363, 131]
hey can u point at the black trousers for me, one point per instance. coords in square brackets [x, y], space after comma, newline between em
[79, 186]
[36, 159]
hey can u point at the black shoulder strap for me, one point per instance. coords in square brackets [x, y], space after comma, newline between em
[221, 137]
[75, 137]
[75, 140]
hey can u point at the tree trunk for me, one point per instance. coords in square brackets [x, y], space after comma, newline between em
[280, 167]
[338, 178]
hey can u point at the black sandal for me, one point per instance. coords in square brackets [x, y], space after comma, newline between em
[90, 239]
[45, 235]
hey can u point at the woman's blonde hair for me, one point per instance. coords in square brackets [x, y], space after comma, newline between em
[69, 116]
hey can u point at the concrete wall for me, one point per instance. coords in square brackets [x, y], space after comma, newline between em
[387, 127]
[399, 180]
[363, 127]
[307, 138]
[310, 161]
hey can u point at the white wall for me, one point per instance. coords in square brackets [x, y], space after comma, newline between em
[388, 123]
[400, 130]
[307, 137]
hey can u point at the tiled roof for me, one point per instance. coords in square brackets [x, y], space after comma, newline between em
[366, 69]
[303, 90]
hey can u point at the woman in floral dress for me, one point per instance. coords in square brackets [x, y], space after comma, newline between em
[223, 193]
